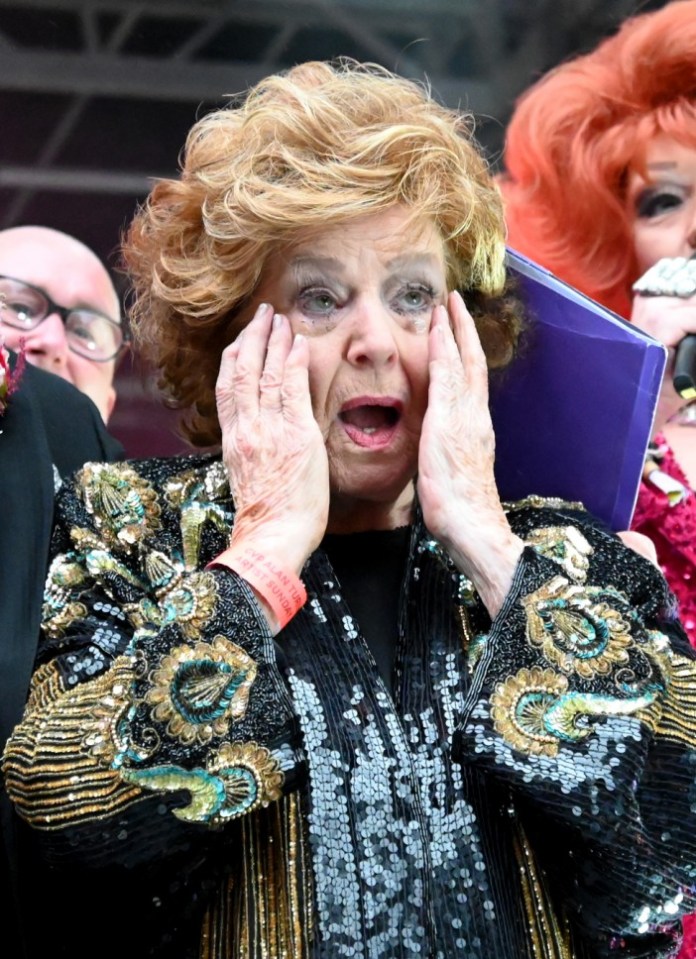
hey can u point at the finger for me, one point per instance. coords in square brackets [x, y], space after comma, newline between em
[250, 360]
[295, 393]
[441, 343]
[224, 390]
[640, 544]
[447, 384]
[466, 335]
[279, 345]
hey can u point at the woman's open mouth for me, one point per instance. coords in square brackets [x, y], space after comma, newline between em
[371, 421]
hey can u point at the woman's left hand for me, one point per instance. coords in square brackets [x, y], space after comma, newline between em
[456, 485]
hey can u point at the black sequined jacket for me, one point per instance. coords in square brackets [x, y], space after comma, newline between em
[528, 792]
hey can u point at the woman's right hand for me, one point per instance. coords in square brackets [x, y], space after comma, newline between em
[272, 447]
[668, 319]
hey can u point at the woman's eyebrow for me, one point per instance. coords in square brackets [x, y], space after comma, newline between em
[414, 260]
[662, 165]
[327, 264]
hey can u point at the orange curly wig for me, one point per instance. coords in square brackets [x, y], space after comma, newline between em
[575, 134]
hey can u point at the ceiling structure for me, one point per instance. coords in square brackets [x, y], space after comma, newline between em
[96, 96]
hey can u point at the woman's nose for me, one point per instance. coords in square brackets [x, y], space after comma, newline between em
[372, 332]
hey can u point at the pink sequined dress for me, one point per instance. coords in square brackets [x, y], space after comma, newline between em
[673, 531]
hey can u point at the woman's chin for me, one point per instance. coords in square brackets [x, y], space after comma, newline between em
[370, 482]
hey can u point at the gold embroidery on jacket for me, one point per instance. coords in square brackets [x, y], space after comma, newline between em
[674, 716]
[238, 778]
[199, 690]
[549, 940]
[577, 628]
[564, 545]
[536, 712]
[57, 763]
[123, 504]
[265, 907]
[194, 493]
[519, 707]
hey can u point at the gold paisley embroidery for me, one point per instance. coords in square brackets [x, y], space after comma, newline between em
[519, 706]
[190, 604]
[564, 545]
[535, 712]
[194, 494]
[259, 763]
[239, 778]
[199, 690]
[123, 504]
[576, 628]
[61, 606]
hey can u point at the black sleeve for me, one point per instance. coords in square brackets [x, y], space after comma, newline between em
[158, 714]
[582, 704]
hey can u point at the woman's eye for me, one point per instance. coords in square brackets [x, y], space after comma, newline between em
[415, 299]
[317, 302]
[654, 203]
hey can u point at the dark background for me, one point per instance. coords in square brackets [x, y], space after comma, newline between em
[96, 98]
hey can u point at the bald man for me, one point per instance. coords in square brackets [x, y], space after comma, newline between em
[59, 298]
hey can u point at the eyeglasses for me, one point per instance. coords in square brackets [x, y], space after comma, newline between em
[89, 334]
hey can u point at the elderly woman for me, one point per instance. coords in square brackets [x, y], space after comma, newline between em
[601, 185]
[322, 694]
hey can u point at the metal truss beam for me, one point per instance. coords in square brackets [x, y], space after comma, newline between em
[151, 78]
[64, 180]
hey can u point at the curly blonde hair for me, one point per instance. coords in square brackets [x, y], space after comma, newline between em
[321, 143]
[575, 134]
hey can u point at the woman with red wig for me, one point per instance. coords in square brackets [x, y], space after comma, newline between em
[600, 185]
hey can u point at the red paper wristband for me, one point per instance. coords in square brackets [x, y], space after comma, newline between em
[282, 591]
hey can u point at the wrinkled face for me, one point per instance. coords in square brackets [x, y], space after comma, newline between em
[74, 278]
[363, 294]
[663, 207]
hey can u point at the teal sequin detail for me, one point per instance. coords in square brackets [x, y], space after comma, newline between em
[202, 690]
[588, 636]
[238, 778]
[570, 717]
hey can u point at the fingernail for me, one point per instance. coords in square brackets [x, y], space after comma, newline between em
[262, 308]
[277, 320]
[299, 338]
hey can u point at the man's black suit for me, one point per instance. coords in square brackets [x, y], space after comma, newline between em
[47, 422]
